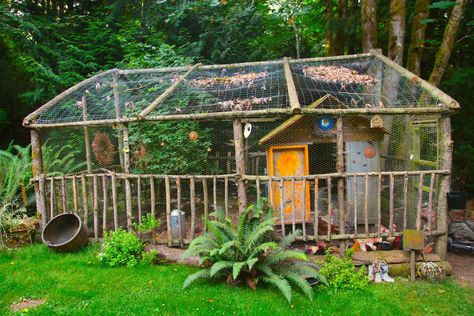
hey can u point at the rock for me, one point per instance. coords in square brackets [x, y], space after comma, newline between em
[172, 254]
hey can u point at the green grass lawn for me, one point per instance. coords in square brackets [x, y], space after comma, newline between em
[77, 284]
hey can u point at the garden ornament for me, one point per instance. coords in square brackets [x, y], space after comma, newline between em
[247, 130]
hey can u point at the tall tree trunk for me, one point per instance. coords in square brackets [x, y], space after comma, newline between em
[397, 31]
[369, 24]
[340, 38]
[329, 44]
[417, 38]
[444, 51]
[352, 43]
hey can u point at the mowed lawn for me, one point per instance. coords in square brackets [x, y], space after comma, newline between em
[77, 284]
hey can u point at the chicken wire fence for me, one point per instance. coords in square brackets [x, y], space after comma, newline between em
[203, 152]
[359, 82]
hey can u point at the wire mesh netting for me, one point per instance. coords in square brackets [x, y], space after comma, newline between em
[362, 82]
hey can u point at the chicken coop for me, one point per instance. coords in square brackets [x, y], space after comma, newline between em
[342, 147]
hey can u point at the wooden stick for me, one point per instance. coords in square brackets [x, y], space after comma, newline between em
[114, 201]
[316, 208]
[282, 205]
[180, 223]
[356, 224]
[42, 195]
[214, 192]
[420, 202]
[405, 200]
[340, 180]
[126, 167]
[303, 213]
[366, 206]
[168, 209]
[240, 165]
[51, 197]
[104, 205]
[63, 194]
[229, 162]
[379, 205]
[290, 84]
[139, 199]
[430, 200]
[329, 180]
[226, 196]
[270, 191]
[293, 208]
[166, 93]
[84, 200]
[257, 184]
[87, 141]
[206, 201]
[391, 203]
[74, 195]
[118, 114]
[152, 196]
[193, 205]
[95, 207]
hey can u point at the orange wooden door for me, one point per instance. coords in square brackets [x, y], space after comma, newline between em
[289, 161]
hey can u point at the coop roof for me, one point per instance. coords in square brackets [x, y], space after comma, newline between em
[363, 84]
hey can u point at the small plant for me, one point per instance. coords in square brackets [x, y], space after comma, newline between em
[149, 257]
[149, 225]
[246, 253]
[341, 274]
[121, 248]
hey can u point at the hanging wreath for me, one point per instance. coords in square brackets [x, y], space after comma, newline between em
[104, 151]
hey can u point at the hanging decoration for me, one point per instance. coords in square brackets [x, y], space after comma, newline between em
[376, 122]
[325, 123]
[104, 150]
[193, 136]
[369, 152]
[247, 130]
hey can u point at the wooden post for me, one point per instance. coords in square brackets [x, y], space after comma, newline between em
[430, 199]
[114, 200]
[86, 135]
[446, 154]
[303, 213]
[37, 169]
[257, 184]
[391, 204]
[366, 206]
[316, 208]
[104, 205]
[420, 202]
[152, 196]
[95, 207]
[139, 199]
[405, 200]
[192, 194]
[240, 164]
[214, 193]
[293, 206]
[84, 200]
[74, 194]
[379, 206]
[340, 180]
[126, 168]
[63, 194]
[178, 202]
[226, 196]
[206, 201]
[329, 182]
[282, 206]
[51, 197]
[168, 209]
[355, 205]
[118, 114]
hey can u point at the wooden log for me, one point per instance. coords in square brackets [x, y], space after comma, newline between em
[37, 171]
[340, 181]
[290, 84]
[74, 195]
[392, 256]
[405, 201]
[192, 194]
[356, 224]
[114, 201]
[139, 199]
[303, 213]
[257, 184]
[104, 204]
[152, 196]
[162, 97]
[329, 180]
[214, 193]
[379, 205]
[412, 265]
[226, 196]
[293, 206]
[420, 202]
[391, 204]
[168, 209]
[446, 154]
[51, 198]
[316, 208]
[85, 202]
[206, 201]
[178, 202]
[126, 167]
[240, 165]
[366, 206]
[87, 141]
[42, 194]
[282, 206]
[118, 114]
[430, 200]
[95, 207]
[63, 194]
[403, 269]
[346, 236]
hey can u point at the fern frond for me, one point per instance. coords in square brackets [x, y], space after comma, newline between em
[219, 266]
[300, 282]
[258, 233]
[281, 284]
[263, 247]
[251, 263]
[265, 269]
[286, 255]
[201, 274]
[237, 268]
[286, 241]
[306, 271]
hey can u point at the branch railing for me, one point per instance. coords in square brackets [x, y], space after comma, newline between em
[373, 202]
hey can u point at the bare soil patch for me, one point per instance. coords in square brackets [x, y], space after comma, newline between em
[26, 303]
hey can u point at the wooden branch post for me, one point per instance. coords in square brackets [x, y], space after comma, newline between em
[126, 167]
[118, 113]
[446, 155]
[240, 164]
[290, 84]
[86, 135]
[37, 169]
[340, 181]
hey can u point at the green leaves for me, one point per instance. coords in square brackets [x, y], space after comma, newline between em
[121, 248]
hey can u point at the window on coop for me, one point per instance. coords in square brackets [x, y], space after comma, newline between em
[322, 158]
[424, 155]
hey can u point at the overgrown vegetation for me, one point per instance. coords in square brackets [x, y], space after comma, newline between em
[246, 253]
[341, 274]
[123, 248]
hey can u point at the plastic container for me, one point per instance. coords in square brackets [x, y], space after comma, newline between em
[175, 228]
[456, 200]
[65, 233]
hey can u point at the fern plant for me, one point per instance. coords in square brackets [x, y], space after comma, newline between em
[246, 253]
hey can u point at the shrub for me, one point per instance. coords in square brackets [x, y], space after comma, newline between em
[121, 248]
[246, 253]
[149, 224]
[341, 273]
